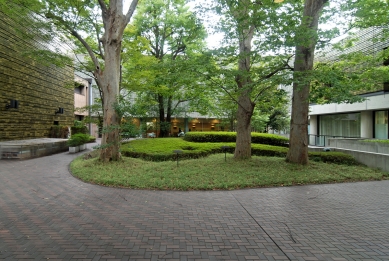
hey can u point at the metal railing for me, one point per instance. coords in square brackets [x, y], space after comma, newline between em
[322, 140]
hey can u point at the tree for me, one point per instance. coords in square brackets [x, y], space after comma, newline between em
[279, 120]
[338, 80]
[175, 35]
[368, 13]
[80, 17]
[248, 72]
[306, 39]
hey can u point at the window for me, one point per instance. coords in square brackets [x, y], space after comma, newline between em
[381, 125]
[80, 89]
[342, 125]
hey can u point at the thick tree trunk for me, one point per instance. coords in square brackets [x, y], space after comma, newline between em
[165, 122]
[110, 142]
[162, 120]
[245, 105]
[108, 77]
[168, 115]
[298, 141]
[243, 128]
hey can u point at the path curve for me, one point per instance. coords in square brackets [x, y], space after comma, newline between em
[45, 213]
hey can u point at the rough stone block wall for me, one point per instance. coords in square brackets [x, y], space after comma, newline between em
[40, 89]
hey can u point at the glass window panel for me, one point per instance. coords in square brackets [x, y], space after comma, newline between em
[381, 125]
[342, 125]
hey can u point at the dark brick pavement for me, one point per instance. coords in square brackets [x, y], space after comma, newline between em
[46, 214]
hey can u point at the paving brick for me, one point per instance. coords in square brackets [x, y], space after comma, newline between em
[63, 218]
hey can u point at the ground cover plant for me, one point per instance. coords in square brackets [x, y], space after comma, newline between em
[162, 150]
[154, 165]
[258, 138]
[214, 173]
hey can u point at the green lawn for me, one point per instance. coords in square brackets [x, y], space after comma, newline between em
[211, 172]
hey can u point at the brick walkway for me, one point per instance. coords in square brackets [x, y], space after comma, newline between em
[45, 213]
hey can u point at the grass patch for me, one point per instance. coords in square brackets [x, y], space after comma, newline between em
[213, 173]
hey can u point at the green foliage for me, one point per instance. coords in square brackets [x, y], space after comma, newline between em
[269, 139]
[210, 136]
[260, 138]
[78, 124]
[164, 126]
[352, 73]
[59, 131]
[259, 121]
[368, 13]
[91, 139]
[333, 157]
[78, 139]
[162, 150]
[165, 72]
[78, 129]
[129, 130]
[279, 119]
[378, 141]
[214, 173]
[47, 49]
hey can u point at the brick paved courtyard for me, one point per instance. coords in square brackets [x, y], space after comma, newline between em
[46, 214]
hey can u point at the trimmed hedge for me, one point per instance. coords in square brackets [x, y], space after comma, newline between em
[162, 150]
[333, 157]
[78, 129]
[269, 139]
[257, 138]
[210, 136]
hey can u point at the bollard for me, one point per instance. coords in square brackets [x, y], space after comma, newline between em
[225, 152]
[177, 152]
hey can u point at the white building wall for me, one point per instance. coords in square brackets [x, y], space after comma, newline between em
[367, 124]
[313, 125]
[379, 102]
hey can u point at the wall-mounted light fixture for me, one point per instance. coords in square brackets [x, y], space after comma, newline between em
[13, 104]
[60, 111]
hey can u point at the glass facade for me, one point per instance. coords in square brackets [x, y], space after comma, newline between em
[342, 125]
[381, 125]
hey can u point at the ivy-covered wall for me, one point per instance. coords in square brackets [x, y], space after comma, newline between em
[40, 89]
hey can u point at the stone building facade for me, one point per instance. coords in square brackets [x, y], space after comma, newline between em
[33, 96]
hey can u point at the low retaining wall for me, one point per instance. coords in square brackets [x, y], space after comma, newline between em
[370, 159]
[25, 149]
[358, 145]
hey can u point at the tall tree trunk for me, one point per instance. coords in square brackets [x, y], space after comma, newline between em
[243, 128]
[165, 122]
[107, 75]
[305, 49]
[245, 105]
[108, 78]
[161, 108]
[169, 115]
